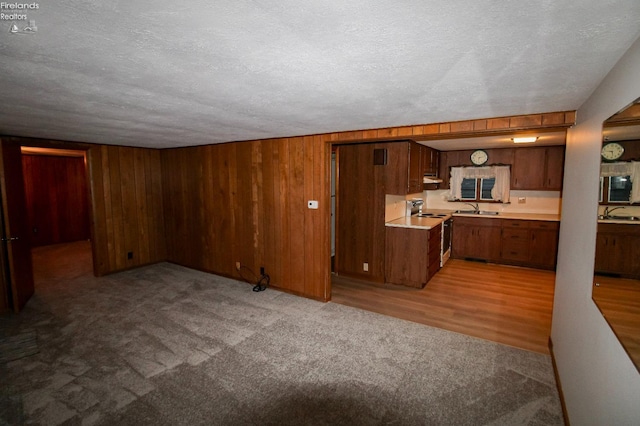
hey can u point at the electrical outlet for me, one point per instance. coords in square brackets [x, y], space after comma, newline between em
[522, 200]
[312, 204]
[365, 267]
[237, 265]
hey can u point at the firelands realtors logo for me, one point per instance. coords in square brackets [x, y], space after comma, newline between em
[17, 15]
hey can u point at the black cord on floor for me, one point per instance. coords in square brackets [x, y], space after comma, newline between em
[263, 283]
[260, 284]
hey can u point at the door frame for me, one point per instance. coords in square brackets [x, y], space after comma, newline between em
[47, 144]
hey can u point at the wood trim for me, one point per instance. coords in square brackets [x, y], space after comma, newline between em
[547, 122]
[565, 413]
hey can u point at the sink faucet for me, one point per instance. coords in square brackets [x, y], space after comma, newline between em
[475, 206]
[607, 211]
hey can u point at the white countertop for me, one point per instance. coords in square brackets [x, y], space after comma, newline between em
[620, 221]
[519, 216]
[416, 222]
[431, 222]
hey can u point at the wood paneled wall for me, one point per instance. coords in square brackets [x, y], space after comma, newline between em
[57, 199]
[360, 195]
[211, 206]
[247, 202]
[128, 214]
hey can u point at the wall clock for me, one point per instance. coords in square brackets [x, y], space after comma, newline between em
[479, 157]
[612, 151]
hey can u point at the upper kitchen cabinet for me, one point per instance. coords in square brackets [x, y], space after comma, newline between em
[429, 160]
[538, 168]
[450, 159]
[404, 168]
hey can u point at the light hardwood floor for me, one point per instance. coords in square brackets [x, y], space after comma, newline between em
[619, 301]
[504, 304]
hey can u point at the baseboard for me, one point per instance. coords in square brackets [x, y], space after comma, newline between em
[565, 414]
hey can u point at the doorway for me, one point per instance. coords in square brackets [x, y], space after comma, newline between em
[57, 194]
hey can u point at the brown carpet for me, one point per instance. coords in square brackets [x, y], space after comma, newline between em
[168, 345]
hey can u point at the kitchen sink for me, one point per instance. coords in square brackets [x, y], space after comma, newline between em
[480, 212]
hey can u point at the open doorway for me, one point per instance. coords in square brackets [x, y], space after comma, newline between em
[58, 211]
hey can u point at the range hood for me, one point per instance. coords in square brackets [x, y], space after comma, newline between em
[431, 179]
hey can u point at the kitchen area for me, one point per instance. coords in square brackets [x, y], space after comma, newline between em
[497, 205]
[428, 251]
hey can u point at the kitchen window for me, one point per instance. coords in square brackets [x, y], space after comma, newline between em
[619, 183]
[489, 183]
[470, 188]
[615, 189]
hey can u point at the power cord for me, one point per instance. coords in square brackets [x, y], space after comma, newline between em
[261, 284]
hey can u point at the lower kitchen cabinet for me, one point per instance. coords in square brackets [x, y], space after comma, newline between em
[529, 243]
[476, 238]
[618, 250]
[544, 244]
[412, 255]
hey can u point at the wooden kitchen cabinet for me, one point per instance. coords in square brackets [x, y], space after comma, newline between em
[429, 160]
[544, 244]
[450, 159]
[539, 168]
[476, 238]
[618, 250]
[516, 241]
[404, 168]
[412, 256]
[528, 243]
[554, 171]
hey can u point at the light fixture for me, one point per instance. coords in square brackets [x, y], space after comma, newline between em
[527, 139]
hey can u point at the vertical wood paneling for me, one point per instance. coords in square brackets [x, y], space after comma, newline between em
[310, 219]
[360, 236]
[297, 210]
[98, 216]
[253, 197]
[153, 173]
[284, 230]
[128, 212]
[129, 205]
[225, 209]
[141, 199]
[272, 210]
[246, 202]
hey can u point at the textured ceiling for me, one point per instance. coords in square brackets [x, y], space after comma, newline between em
[164, 73]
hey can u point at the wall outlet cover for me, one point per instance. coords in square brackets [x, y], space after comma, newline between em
[312, 204]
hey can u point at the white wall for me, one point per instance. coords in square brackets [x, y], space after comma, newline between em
[601, 385]
[544, 202]
[396, 205]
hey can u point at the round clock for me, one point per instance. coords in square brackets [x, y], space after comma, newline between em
[612, 151]
[479, 157]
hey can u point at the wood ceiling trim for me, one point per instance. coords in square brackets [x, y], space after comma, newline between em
[551, 121]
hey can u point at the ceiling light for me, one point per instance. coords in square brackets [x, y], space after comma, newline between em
[528, 139]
